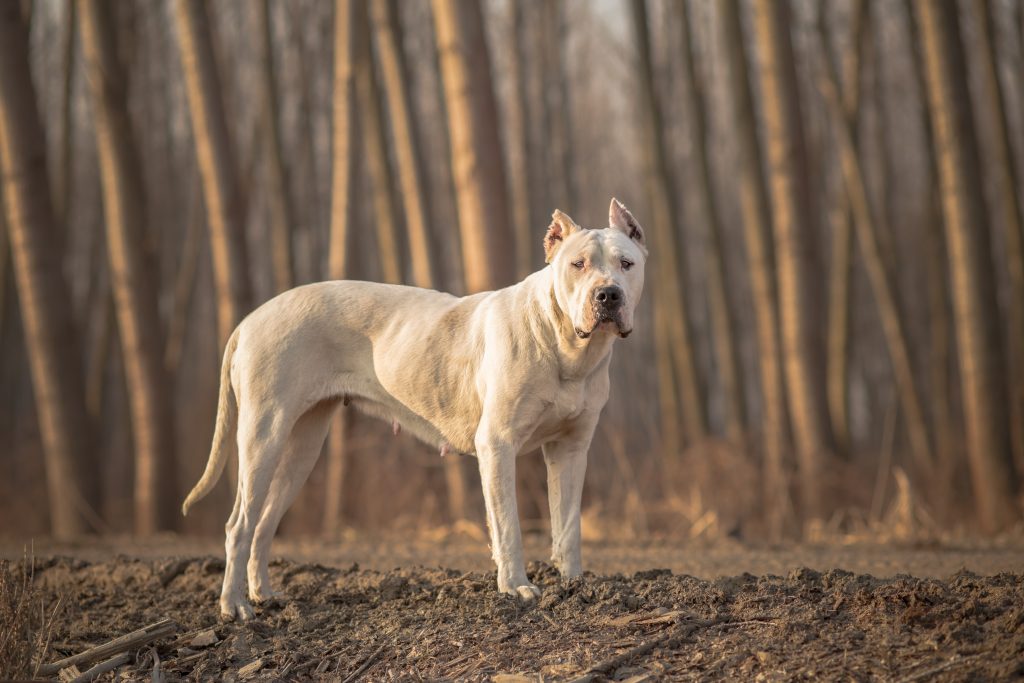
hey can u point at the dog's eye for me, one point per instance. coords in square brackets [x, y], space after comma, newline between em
[578, 265]
[626, 265]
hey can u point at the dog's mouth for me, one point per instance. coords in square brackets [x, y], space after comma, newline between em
[604, 320]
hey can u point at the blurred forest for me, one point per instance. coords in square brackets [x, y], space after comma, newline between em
[832, 334]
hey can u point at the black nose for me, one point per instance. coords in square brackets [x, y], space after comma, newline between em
[608, 297]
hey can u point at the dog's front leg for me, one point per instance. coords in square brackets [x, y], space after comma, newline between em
[567, 467]
[497, 461]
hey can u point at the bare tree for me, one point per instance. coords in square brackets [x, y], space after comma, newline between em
[50, 335]
[936, 270]
[867, 223]
[477, 166]
[375, 148]
[477, 159]
[557, 102]
[217, 165]
[1003, 170]
[346, 34]
[722, 314]
[282, 216]
[974, 304]
[670, 304]
[756, 216]
[519, 145]
[65, 147]
[840, 268]
[132, 277]
[388, 33]
[788, 182]
[184, 283]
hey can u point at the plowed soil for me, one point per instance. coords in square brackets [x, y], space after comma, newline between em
[415, 623]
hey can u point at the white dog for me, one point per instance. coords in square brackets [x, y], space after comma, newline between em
[493, 374]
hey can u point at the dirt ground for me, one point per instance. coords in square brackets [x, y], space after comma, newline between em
[385, 609]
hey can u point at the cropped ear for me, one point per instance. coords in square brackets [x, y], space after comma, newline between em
[620, 218]
[561, 227]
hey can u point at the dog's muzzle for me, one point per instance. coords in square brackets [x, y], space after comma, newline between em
[607, 302]
[608, 299]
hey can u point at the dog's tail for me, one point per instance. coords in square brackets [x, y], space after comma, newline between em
[224, 432]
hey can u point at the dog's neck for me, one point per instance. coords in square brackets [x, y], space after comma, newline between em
[577, 358]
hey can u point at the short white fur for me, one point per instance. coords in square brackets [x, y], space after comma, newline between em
[494, 375]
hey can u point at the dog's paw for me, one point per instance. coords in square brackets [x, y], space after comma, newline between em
[266, 595]
[235, 609]
[528, 593]
[525, 591]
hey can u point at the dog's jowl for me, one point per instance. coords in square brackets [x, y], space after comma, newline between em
[493, 375]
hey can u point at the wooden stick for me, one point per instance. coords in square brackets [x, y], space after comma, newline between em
[957, 660]
[609, 665]
[102, 668]
[365, 665]
[123, 643]
[618, 660]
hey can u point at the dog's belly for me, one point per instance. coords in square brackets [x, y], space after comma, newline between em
[396, 353]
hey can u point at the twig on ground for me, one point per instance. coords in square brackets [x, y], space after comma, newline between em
[158, 675]
[612, 663]
[185, 660]
[366, 664]
[123, 643]
[745, 622]
[102, 668]
[928, 673]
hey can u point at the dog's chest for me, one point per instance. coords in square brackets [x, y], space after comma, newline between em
[569, 400]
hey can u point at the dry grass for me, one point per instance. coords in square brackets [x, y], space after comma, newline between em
[25, 622]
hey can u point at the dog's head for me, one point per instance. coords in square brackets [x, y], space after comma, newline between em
[599, 274]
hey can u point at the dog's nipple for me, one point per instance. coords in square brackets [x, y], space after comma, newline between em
[395, 427]
[445, 449]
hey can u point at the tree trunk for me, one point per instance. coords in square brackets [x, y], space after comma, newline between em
[387, 30]
[722, 314]
[788, 180]
[1004, 172]
[477, 160]
[344, 143]
[376, 151]
[838, 343]
[417, 211]
[132, 277]
[542, 200]
[938, 290]
[282, 217]
[519, 146]
[5, 270]
[974, 301]
[65, 145]
[309, 214]
[184, 283]
[881, 282]
[667, 232]
[558, 104]
[217, 165]
[50, 336]
[753, 196]
[478, 169]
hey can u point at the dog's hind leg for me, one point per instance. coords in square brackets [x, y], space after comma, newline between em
[261, 441]
[300, 454]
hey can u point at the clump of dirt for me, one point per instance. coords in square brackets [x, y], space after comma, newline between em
[419, 623]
